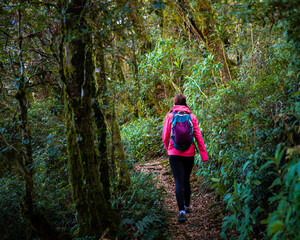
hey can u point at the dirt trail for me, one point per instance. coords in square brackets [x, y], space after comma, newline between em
[204, 221]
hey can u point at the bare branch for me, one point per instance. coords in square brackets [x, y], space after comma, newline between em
[9, 145]
[40, 52]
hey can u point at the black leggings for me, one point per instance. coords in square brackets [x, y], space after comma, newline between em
[181, 169]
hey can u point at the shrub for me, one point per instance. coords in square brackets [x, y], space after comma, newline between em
[284, 221]
[12, 226]
[142, 139]
[243, 123]
[141, 209]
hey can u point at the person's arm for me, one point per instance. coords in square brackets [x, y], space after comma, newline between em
[166, 131]
[199, 140]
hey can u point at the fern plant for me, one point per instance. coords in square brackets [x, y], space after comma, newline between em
[141, 209]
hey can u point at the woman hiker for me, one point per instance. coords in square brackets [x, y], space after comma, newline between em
[181, 150]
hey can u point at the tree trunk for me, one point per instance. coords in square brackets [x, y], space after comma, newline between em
[138, 23]
[24, 159]
[95, 215]
[117, 153]
[204, 27]
[212, 40]
[101, 94]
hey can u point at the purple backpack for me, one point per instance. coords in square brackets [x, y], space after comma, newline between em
[182, 130]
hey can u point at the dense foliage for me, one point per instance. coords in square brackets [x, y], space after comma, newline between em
[142, 209]
[246, 169]
[252, 127]
[251, 124]
[69, 79]
[142, 139]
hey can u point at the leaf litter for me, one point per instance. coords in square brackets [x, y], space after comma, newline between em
[205, 219]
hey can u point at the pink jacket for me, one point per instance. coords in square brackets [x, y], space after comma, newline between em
[166, 136]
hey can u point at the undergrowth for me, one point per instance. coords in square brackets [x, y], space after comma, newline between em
[250, 128]
[141, 209]
[142, 139]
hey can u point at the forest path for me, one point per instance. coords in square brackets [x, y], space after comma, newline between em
[205, 219]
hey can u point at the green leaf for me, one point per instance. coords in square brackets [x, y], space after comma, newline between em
[296, 94]
[223, 235]
[288, 215]
[275, 226]
[267, 164]
[246, 164]
[256, 182]
[290, 175]
[276, 182]
[264, 221]
[279, 154]
[215, 180]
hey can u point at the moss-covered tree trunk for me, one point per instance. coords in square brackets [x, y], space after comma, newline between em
[118, 154]
[140, 44]
[213, 42]
[102, 148]
[201, 20]
[95, 215]
[119, 167]
[27, 199]
[101, 94]
[37, 222]
[24, 158]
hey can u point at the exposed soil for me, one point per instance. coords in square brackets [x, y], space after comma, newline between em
[205, 219]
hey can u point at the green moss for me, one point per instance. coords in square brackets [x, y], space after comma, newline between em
[123, 175]
[117, 156]
[95, 215]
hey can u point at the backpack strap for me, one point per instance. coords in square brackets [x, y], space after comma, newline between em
[174, 112]
[192, 125]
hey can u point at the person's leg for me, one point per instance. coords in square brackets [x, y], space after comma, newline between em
[176, 164]
[188, 164]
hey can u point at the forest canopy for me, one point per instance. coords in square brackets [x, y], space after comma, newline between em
[85, 86]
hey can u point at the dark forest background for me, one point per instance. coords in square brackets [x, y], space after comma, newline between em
[85, 86]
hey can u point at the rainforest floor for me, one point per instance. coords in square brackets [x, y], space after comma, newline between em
[205, 219]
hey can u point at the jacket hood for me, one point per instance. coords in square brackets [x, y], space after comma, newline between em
[181, 108]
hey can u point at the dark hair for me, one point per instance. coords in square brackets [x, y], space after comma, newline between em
[180, 99]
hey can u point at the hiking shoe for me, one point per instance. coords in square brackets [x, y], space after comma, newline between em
[182, 217]
[187, 209]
